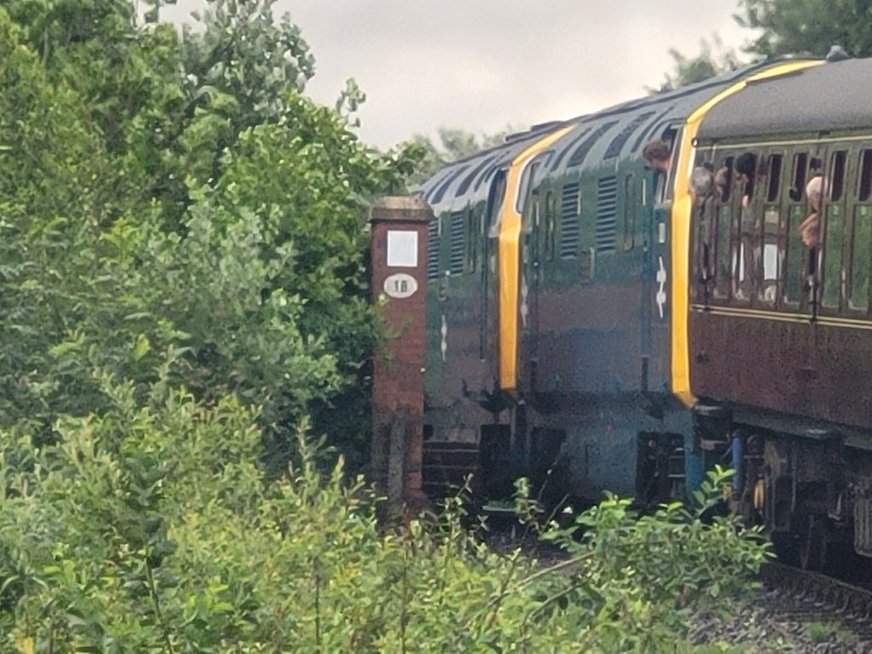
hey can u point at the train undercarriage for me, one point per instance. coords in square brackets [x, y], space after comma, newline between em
[808, 485]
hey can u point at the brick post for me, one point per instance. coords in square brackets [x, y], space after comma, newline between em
[399, 283]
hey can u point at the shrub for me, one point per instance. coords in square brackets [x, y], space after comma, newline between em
[153, 529]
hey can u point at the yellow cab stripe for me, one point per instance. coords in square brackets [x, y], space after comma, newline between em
[509, 260]
[680, 221]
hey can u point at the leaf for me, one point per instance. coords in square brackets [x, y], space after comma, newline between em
[141, 347]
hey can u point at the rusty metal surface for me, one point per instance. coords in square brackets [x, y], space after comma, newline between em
[802, 368]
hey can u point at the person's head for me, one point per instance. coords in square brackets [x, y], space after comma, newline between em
[746, 164]
[810, 230]
[656, 155]
[816, 189]
[702, 183]
[722, 179]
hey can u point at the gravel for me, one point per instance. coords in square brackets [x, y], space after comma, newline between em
[774, 621]
[767, 621]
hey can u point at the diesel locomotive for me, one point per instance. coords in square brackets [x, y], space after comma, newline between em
[594, 324]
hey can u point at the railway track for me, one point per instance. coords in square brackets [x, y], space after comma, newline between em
[811, 596]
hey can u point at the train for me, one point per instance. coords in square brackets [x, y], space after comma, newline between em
[598, 323]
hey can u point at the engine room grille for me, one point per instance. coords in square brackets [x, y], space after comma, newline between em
[569, 221]
[606, 213]
[433, 249]
[455, 262]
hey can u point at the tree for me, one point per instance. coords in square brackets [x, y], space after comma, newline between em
[792, 27]
[713, 59]
[141, 237]
[451, 145]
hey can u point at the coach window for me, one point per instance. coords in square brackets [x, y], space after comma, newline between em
[724, 228]
[773, 249]
[746, 250]
[834, 232]
[796, 254]
[861, 237]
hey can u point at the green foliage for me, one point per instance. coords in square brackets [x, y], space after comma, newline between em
[821, 632]
[452, 144]
[713, 59]
[151, 528]
[141, 233]
[641, 574]
[787, 27]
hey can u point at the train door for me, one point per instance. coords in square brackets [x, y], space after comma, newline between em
[488, 309]
[532, 206]
[656, 287]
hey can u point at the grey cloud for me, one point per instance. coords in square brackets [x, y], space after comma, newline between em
[484, 64]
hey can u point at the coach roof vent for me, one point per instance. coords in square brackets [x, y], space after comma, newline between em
[836, 53]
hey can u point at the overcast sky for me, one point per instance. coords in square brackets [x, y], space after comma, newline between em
[483, 65]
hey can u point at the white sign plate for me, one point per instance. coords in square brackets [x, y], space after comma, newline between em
[402, 249]
[400, 286]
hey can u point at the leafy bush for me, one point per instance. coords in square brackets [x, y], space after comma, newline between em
[152, 529]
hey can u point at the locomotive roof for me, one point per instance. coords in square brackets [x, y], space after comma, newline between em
[462, 181]
[831, 96]
[597, 138]
[623, 130]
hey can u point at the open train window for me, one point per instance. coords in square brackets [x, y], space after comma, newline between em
[864, 183]
[837, 175]
[726, 169]
[773, 177]
[800, 172]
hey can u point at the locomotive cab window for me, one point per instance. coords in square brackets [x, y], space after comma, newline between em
[665, 181]
[660, 157]
[496, 197]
